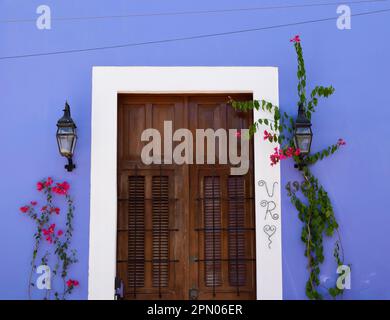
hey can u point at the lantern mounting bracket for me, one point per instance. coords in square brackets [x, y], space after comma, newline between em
[70, 166]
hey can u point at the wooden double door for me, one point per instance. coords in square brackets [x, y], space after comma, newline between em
[184, 231]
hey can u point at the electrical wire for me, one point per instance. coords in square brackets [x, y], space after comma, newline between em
[178, 13]
[202, 36]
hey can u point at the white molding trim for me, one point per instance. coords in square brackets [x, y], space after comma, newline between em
[107, 82]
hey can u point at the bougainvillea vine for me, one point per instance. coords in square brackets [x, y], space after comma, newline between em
[58, 239]
[315, 210]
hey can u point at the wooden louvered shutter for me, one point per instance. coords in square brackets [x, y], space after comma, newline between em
[136, 232]
[147, 238]
[212, 231]
[160, 236]
[222, 244]
[236, 231]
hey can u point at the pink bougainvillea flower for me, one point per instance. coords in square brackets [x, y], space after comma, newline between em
[40, 186]
[280, 154]
[60, 233]
[33, 203]
[24, 209]
[61, 188]
[341, 142]
[275, 157]
[57, 190]
[49, 232]
[72, 283]
[48, 182]
[238, 134]
[296, 39]
[55, 209]
[65, 186]
[267, 135]
[289, 152]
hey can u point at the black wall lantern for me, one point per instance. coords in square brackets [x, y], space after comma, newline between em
[302, 132]
[66, 137]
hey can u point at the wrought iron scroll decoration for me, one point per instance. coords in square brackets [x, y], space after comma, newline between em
[262, 183]
[270, 206]
[269, 230]
[268, 210]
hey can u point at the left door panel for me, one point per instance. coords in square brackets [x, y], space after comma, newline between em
[151, 222]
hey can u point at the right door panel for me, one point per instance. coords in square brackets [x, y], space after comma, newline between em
[222, 224]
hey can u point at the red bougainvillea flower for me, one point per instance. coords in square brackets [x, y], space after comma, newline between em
[33, 203]
[60, 233]
[275, 157]
[296, 39]
[40, 186]
[289, 152]
[50, 230]
[61, 188]
[238, 134]
[58, 190]
[280, 154]
[48, 233]
[48, 182]
[56, 210]
[65, 186]
[24, 209]
[44, 208]
[341, 142]
[72, 283]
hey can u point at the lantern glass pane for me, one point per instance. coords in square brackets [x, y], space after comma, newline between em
[66, 139]
[303, 143]
[65, 130]
[65, 143]
[303, 130]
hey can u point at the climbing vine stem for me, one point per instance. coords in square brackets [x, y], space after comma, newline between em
[313, 204]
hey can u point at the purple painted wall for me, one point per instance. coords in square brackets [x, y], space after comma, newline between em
[355, 62]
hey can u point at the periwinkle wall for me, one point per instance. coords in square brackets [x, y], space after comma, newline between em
[355, 62]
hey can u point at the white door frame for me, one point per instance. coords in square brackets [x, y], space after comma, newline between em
[107, 82]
